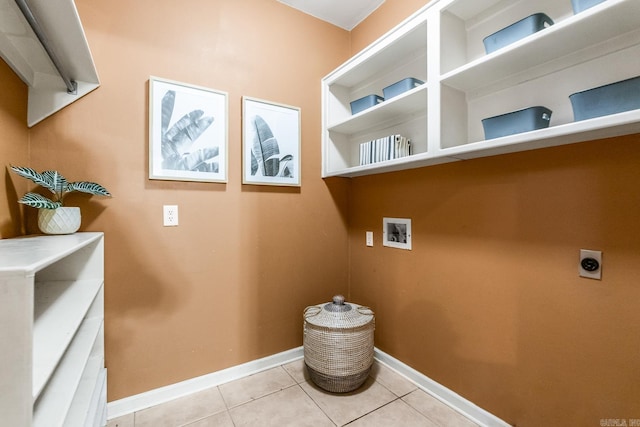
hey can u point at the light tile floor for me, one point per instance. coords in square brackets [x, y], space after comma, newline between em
[284, 396]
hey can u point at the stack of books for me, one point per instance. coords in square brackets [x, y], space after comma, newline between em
[383, 149]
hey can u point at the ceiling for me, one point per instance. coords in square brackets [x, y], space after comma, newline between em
[342, 13]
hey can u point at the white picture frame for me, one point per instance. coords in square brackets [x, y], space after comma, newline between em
[271, 134]
[396, 233]
[188, 132]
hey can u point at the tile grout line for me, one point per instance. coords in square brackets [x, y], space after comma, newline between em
[253, 399]
[372, 411]
[293, 377]
[304, 380]
[398, 397]
[229, 408]
[317, 405]
[308, 395]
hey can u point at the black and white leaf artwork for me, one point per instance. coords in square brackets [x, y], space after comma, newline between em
[178, 140]
[266, 159]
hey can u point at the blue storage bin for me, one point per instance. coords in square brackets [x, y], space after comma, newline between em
[580, 5]
[608, 99]
[526, 120]
[514, 32]
[365, 102]
[399, 87]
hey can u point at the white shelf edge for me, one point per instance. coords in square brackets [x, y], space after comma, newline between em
[409, 102]
[86, 401]
[410, 162]
[466, 77]
[52, 407]
[27, 255]
[26, 56]
[601, 127]
[585, 130]
[341, 75]
[65, 304]
[100, 414]
[47, 98]
[99, 402]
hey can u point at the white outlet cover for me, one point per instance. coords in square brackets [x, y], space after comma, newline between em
[170, 215]
[369, 238]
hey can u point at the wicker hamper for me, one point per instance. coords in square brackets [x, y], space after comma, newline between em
[338, 344]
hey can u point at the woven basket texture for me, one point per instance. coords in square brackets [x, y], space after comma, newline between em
[338, 346]
[336, 384]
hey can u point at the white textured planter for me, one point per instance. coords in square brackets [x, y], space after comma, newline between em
[59, 221]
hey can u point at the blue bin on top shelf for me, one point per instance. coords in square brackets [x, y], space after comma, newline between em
[400, 87]
[365, 102]
[514, 32]
[608, 99]
[526, 120]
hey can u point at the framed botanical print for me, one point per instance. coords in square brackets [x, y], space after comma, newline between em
[270, 143]
[188, 132]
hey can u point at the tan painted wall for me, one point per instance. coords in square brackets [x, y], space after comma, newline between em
[14, 149]
[229, 284]
[387, 16]
[488, 302]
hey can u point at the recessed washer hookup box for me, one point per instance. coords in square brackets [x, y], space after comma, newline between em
[608, 99]
[514, 32]
[400, 87]
[365, 102]
[526, 120]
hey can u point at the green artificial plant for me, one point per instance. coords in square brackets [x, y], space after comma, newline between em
[58, 185]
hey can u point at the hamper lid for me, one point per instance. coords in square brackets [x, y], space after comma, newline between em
[338, 314]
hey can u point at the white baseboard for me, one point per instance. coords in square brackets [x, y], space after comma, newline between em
[440, 392]
[160, 395]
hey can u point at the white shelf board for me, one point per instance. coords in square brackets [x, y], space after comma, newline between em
[557, 41]
[27, 255]
[467, 9]
[98, 407]
[585, 130]
[100, 413]
[52, 407]
[21, 49]
[394, 109]
[86, 401]
[406, 41]
[59, 309]
[48, 95]
[409, 162]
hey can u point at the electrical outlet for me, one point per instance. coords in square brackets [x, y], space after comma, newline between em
[590, 264]
[170, 215]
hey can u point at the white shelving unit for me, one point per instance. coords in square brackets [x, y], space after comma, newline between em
[22, 51]
[51, 328]
[442, 44]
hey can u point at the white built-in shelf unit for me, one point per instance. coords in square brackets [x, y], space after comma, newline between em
[442, 45]
[52, 331]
